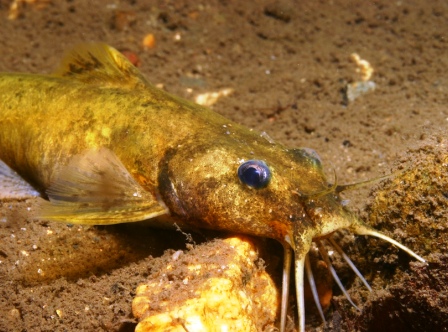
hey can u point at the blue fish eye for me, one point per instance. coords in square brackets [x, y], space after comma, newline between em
[254, 173]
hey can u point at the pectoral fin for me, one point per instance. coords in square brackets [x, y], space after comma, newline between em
[12, 186]
[96, 189]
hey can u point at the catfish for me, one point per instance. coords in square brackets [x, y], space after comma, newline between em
[101, 145]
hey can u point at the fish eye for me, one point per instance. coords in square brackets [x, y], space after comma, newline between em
[254, 173]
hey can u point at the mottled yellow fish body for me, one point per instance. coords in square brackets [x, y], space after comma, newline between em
[46, 120]
[165, 142]
[104, 146]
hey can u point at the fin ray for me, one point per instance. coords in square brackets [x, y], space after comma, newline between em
[12, 186]
[102, 65]
[96, 189]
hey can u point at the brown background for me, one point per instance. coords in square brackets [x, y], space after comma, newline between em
[287, 62]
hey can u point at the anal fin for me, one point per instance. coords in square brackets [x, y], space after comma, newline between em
[96, 189]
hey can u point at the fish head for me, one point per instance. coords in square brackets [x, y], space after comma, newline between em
[262, 189]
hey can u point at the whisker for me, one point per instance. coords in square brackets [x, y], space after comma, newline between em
[309, 274]
[356, 185]
[363, 229]
[299, 277]
[349, 262]
[324, 254]
[287, 258]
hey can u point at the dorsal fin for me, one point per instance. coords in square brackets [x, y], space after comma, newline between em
[102, 65]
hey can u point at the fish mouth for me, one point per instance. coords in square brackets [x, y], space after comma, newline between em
[328, 215]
